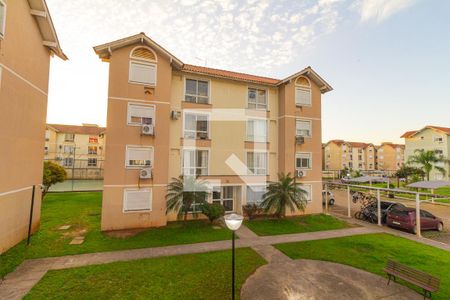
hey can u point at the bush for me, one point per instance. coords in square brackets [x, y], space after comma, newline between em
[251, 210]
[53, 173]
[213, 211]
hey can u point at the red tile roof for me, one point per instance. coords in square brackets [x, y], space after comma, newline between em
[408, 134]
[392, 145]
[444, 129]
[358, 144]
[91, 130]
[230, 74]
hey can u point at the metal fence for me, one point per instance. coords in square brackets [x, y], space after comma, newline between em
[336, 174]
[81, 169]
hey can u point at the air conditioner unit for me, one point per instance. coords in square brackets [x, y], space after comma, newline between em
[202, 135]
[147, 129]
[299, 140]
[145, 173]
[174, 115]
[300, 173]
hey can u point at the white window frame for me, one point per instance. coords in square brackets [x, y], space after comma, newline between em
[142, 62]
[195, 159]
[93, 153]
[124, 200]
[3, 22]
[222, 199]
[251, 187]
[266, 91]
[250, 135]
[196, 132]
[92, 158]
[69, 134]
[303, 89]
[66, 159]
[310, 190]
[310, 127]
[151, 106]
[152, 163]
[303, 155]
[257, 168]
[186, 78]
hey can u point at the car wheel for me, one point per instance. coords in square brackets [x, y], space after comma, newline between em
[440, 227]
[414, 230]
[331, 202]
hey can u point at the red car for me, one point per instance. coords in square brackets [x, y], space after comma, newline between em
[405, 218]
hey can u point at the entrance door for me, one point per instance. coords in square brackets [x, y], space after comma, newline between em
[225, 196]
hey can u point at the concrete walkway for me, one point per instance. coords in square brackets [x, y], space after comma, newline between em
[19, 282]
[314, 279]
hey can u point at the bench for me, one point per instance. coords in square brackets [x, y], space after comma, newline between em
[428, 283]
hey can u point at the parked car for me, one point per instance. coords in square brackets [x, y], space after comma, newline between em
[405, 218]
[330, 198]
[385, 207]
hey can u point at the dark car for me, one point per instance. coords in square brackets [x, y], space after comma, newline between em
[405, 218]
[385, 207]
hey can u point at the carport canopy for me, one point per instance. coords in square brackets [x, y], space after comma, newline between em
[364, 179]
[432, 184]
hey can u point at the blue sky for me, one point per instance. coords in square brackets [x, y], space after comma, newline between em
[388, 60]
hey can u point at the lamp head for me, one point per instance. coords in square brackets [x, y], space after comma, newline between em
[233, 221]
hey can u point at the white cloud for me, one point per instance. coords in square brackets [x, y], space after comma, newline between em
[380, 10]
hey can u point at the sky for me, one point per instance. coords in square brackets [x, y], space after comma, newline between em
[387, 60]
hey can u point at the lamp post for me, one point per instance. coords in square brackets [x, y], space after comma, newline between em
[233, 222]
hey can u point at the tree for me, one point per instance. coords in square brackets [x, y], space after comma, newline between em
[284, 193]
[183, 192]
[427, 160]
[213, 211]
[406, 172]
[53, 173]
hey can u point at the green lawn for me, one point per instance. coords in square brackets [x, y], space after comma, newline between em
[370, 253]
[298, 224]
[82, 211]
[192, 276]
[443, 201]
[444, 191]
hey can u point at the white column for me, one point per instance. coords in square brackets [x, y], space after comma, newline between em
[379, 207]
[349, 214]
[418, 215]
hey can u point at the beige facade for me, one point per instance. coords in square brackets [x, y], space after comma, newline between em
[340, 154]
[79, 149]
[390, 157]
[236, 131]
[429, 138]
[27, 41]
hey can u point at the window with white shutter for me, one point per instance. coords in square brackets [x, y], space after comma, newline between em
[135, 200]
[302, 97]
[139, 157]
[303, 128]
[257, 130]
[139, 114]
[303, 161]
[142, 73]
[308, 189]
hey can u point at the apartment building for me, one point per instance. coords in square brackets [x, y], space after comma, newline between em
[340, 154]
[429, 138]
[79, 149]
[390, 156]
[27, 41]
[235, 131]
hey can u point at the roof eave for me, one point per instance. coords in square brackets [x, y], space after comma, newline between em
[309, 72]
[228, 78]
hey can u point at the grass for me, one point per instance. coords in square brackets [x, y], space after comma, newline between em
[444, 191]
[191, 276]
[370, 253]
[443, 201]
[83, 212]
[308, 223]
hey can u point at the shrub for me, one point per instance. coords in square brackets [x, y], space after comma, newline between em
[251, 210]
[213, 211]
[53, 173]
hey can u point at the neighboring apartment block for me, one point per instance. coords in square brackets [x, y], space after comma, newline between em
[79, 149]
[390, 156]
[27, 41]
[235, 131]
[340, 154]
[434, 138]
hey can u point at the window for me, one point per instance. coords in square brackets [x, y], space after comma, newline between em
[438, 139]
[92, 162]
[255, 194]
[302, 92]
[68, 162]
[92, 149]
[138, 156]
[139, 114]
[47, 133]
[360, 166]
[142, 66]
[308, 189]
[224, 196]
[93, 140]
[195, 162]
[69, 137]
[257, 99]
[437, 151]
[257, 130]
[257, 163]
[197, 91]
[303, 128]
[2, 18]
[303, 161]
[196, 126]
[137, 200]
[359, 157]
[69, 149]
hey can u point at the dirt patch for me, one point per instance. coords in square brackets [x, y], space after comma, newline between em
[123, 234]
[75, 232]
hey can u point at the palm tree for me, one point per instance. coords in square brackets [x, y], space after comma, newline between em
[427, 160]
[284, 193]
[182, 192]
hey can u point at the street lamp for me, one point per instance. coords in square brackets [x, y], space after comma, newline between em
[233, 222]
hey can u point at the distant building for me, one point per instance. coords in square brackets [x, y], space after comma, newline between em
[429, 138]
[390, 156]
[79, 149]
